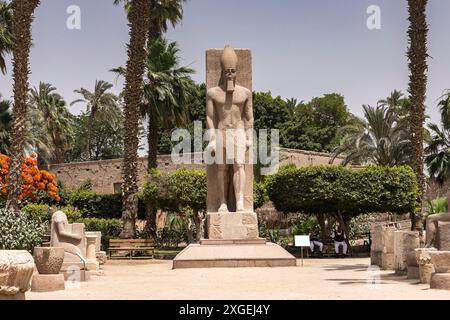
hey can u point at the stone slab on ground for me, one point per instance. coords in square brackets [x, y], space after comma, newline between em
[440, 281]
[230, 256]
[233, 241]
[47, 282]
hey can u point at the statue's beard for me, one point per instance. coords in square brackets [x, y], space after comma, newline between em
[230, 85]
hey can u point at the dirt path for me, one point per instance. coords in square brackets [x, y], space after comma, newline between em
[318, 279]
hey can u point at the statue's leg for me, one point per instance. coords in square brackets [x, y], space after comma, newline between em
[222, 183]
[239, 185]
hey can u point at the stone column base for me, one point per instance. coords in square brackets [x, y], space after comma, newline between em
[232, 225]
[17, 296]
[425, 272]
[376, 258]
[440, 281]
[387, 261]
[413, 272]
[47, 282]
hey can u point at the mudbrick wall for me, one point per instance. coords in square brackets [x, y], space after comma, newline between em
[106, 175]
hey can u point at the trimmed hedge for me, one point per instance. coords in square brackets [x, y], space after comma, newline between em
[333, 189]
[41, 214]
[103, 206]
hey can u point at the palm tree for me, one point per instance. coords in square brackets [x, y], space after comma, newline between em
[51, 121]
[444, 108]
[5, 125]
[5, 33]
[139, 22]
[417, 56]
[382, 139]
[398, 103]
[162, 13]
[167, 90]
[437, 153]
[100, 104]
[22, 19]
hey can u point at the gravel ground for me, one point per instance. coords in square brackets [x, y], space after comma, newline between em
[317, 279]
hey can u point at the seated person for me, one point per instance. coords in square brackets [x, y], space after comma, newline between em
[340, 239]
[315, 241]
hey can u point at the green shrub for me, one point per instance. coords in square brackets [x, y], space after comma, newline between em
[97, 205]
[37, 212]
[260, 196]
[41, 212]
[17, 232]
[335, 189]
[436, 206]
[110, 228]
[305, 225]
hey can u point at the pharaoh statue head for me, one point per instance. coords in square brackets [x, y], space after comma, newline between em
[229, 62]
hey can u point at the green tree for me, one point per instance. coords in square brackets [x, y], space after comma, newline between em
[100, 105]
[22, 13]
[51, 121]
[417, 57]
[437, 153]
[5, 33]
[382, 139]
[106, 140]
[314, 125]
[167, 90]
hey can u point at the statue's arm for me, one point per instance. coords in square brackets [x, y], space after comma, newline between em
[210, 116]
[249, 111]
[62, 231]
[249, 120]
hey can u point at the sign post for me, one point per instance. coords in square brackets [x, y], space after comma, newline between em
[301, 241]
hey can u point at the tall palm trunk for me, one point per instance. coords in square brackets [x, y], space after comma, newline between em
[139, 21]
[22, 19]
[417, 56]
[152, 138]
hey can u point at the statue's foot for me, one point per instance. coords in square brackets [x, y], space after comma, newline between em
[240, 206]
[223, 208]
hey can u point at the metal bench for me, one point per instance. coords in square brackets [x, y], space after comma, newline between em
[131, 245]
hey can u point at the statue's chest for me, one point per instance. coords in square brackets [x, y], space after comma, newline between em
[230, 100]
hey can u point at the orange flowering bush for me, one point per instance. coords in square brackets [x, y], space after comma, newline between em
[34, 181]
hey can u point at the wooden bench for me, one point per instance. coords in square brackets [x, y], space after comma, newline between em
[131, 245]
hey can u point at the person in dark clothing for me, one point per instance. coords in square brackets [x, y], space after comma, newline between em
[340, 239]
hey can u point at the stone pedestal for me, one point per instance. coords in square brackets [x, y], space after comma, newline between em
[387, 257]
[234, 255]
[412, 266]
[376, 248]
[16, 270]
[91, 259]
[440, 281]
[232, 225]
[443, 236]
[404, 243]
[47, 282]
[98, 240]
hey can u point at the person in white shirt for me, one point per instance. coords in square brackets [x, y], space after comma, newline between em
[340, 239]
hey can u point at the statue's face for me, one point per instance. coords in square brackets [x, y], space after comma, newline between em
[230, 74]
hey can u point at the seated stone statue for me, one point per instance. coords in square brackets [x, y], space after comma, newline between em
[71, 237]
[432, 224]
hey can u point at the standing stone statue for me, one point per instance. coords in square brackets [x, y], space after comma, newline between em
[229, 115]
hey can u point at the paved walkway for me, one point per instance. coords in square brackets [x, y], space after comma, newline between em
[317, 279]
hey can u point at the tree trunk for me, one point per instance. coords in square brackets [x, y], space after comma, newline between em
[152, 138]
[22, 19]
[323, 233]
[417, 56]
[139, 23]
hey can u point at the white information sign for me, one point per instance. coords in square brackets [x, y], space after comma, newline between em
[301, 241]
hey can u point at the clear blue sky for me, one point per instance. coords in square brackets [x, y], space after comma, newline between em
[301, 48]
